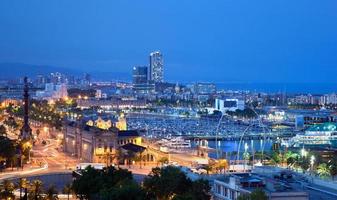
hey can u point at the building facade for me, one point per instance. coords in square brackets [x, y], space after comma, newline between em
[140, 80]
[225, 105]
[156, 70]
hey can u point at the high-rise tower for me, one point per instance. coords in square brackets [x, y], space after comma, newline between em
[26, 131]
[156, 70]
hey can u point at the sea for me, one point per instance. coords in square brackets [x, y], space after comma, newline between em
[229, 148]
[288, 88]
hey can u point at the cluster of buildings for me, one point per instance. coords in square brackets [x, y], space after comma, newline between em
[101, 139]
[276, 183]
[52, 91]
[314, 99]
[146, 77]
[57, 78]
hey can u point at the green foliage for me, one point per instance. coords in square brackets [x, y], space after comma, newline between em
[43, 112]
[10, 122]
[163, 160]
[35, 190]
[257, 194]
[67, 189]
[75, 92]
[127, 190]
[7, 190]
[7, 149]
[168, 182]
[291, 158]
[276, 158]
[246, 113]
[51, 193]
[111, 183]
[323, 170]
[3, 131]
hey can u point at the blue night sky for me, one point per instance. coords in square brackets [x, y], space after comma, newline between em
[219, 40]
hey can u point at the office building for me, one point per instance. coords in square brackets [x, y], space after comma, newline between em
[204, 88]
[225, 105]
[232, 186]
[156, 70]
[140, 80]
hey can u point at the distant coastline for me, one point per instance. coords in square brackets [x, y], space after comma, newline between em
[288, 88]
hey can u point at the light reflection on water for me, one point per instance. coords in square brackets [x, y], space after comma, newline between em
[231, 147]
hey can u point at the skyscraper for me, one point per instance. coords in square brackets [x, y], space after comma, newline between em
[140, 75]
[140, 79]
[156, 70]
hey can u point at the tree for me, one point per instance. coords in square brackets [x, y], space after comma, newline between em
[35, 190]
[208, 168]
[163, 160]
[221, 165]
[3, 131]
[67, 190]
[170, 182]
[257, 194]
[323, 170]
[127, 190]
[88, 184]
[333, 166]
[51, 193]
[109, 183]
[7, 149]
[23, 183]
[275, 158]
[7, 190]
[291, 158]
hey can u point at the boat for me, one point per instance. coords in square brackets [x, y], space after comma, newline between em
[175, 143]
[319, 135]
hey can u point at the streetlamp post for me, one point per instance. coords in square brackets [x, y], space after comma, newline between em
[304, 154]
[312, 162]
[245, 157]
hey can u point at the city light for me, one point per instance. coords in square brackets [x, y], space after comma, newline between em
[312, 160]
[246, 147]
[241, 95]
[304, 153]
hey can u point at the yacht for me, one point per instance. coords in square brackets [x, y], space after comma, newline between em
[175, 143]
[319, 135]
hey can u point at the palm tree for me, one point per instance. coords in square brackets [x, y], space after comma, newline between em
[23, 183]
[3, 131]
[163, 160]
[208, 168]
[7, 190]
[36, 189]
[138, 158]
[323, 170]
[51, 193]
[67, 190]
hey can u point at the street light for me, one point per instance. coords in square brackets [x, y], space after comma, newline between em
[312, 162]
[304, 153]
[245, 157]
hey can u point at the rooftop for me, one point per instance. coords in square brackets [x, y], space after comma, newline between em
[133, 147]
[128, 133]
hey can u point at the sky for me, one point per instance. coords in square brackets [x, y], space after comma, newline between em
[278, 41]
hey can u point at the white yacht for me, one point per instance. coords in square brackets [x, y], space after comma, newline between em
[319, 135]
[175, 143]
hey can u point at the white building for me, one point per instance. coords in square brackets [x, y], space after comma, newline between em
[156, 70]
[52, 91]
[224, 105]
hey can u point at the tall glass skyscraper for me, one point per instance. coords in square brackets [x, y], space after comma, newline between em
[156, 70]
[140, 80]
